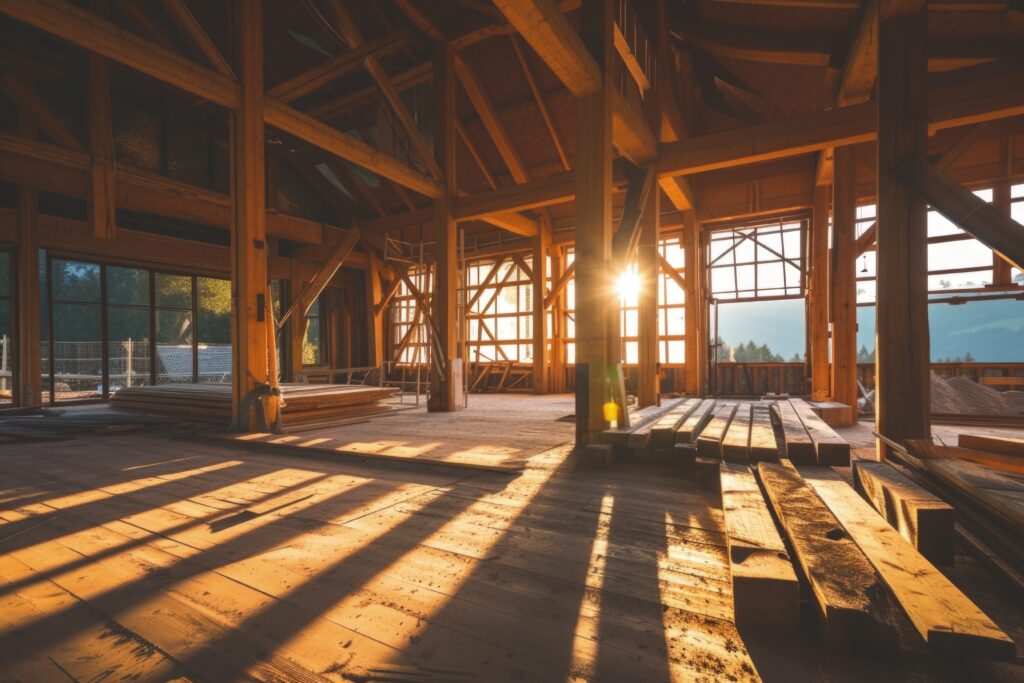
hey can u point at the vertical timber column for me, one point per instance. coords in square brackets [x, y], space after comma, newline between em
[596, 311]
[844, 278]
[29, 367]
[818, 296]
[902, 341]
[1002, 272]
[541, 355]
[446, 283]
[102, 203]
[374, 322]
[647, 303]
[557, 331]
[252, 338]
[696, 307]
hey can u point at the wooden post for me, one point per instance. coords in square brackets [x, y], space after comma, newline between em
[252, 336]
[374, 321]
[29, 367]
[541, 354]
[102, 204]
[1002, 272]
[648, 384]
[297, 325]
[446, 283]
[557, 333]
[696, 307]
[843, 281]
[902, 341]
[596, 313]
[818, 297]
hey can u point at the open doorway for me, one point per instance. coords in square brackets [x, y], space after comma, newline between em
[757, 310]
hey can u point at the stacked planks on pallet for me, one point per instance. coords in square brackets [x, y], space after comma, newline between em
[945, 618]
[922, 518]
[765, 591]
[855, 612]
[305, 406]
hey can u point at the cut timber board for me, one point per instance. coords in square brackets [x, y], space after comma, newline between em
[689, 430]
[831, 449]
[709, 443]
[765, 591]
[1000, 445]
[856, 613]
[799, 446]
[1007, 464]
[664, 430]
[947, 620]
[763, 445]
[640, 435]
[620, 435]
[736, 444]
[923, 519]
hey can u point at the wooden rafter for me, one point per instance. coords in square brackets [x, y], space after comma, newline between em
[96, 34]
[861, 69]
[323, 276]
[350, 32]
[867, 240]
[486, 281]
[193, 30]
[671, 272]
[538, 97]
[972, 135]
[545, 28]
[559, 285]
[44, 117]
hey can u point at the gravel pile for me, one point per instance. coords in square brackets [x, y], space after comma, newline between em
[961, 395]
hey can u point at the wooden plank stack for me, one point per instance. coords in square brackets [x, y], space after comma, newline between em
[306, 406]
[808, 440]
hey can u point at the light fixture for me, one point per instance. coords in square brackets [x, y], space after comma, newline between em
[864, 267]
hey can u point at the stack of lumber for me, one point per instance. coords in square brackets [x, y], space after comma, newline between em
[808, 440]
[708, 431]
[946, 619]
[305, 406]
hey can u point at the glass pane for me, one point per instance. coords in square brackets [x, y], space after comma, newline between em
[77, 345]
[127, 286]
[5, 274]
[173, 347]
[75, 281]
[128, 346]
[173, 291]
[214, 310]
[311, 344]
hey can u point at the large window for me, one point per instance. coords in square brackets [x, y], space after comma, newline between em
[313, 339]
[406, 320]
[969, 320]
[762, 261]
[107, 326]
[499, 310]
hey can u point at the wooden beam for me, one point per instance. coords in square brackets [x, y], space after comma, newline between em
[766, 594]
[491, 121]
[42, 115]
[314, 288]
[630, 61]
[545, 28]
[98, 35]
[627, 236]
[102, 202]
[861, 70]
[818, 297]
[902, 361]
[774, 47]
[964, 104]
[323, 74]
[971, 136]
[541, 354]
[350, 32]
[180, 14]
[866, 241]
[29, 390]
[648, 258]
[963, 208]
[513, 222]
[631, 134]
[542, 106]
[596, 341]
[252, 339]
[559, 286]
[854, 610]
[843, 279]
[445, 367]
[374, 320]
[415, 75]
[555, 189]
[695, 312]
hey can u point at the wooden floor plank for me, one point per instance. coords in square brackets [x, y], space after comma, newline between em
[736, 444]
[799, 447]
[693, 424]
[763, 445]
